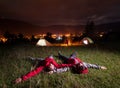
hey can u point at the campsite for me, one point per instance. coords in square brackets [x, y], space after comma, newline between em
[14, 63]
[31, 29]
[83, 41]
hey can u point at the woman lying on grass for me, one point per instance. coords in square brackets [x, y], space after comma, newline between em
[46, 64]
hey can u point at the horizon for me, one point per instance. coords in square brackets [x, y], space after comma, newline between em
[16, 26]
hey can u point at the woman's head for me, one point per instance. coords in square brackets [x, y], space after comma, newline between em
[51, 67]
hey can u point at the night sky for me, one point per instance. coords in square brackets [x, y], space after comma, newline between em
[60, 12]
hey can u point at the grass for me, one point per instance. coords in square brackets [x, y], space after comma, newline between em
[13, 64]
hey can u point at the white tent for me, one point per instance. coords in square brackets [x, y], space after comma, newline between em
[87, 40]
[43, 42]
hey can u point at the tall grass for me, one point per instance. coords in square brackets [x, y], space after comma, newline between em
[14, 63]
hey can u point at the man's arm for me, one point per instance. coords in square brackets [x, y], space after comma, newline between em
[35, 59]
[88, 65]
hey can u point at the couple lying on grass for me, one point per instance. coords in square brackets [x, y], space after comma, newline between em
[50, 66]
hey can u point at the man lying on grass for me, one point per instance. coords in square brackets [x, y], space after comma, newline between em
[79, 66]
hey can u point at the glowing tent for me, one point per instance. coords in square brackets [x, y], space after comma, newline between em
[87, 41]
[43, 42]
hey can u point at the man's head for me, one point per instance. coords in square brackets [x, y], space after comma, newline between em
[80, 68]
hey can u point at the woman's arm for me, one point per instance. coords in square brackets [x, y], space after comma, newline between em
[29, 74]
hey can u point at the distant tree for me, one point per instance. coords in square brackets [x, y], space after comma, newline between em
[33, 40]
[89, 29]
[49, 34]
[7, 34]
[32, 37]
[64, 38]
[49, 38]
[10, 37]
[20, 36]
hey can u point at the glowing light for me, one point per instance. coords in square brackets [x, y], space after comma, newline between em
[58, 38]
[67, 35]
[54, 36]
[3, 39]
[85, 42]
[101, 35]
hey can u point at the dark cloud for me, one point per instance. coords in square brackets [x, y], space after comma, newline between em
[59, 11]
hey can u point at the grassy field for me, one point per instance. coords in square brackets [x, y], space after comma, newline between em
[14, 63]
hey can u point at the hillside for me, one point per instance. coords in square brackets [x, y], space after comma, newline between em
[16, 26]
